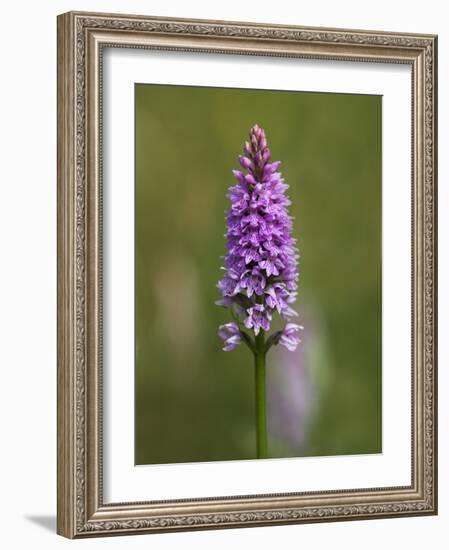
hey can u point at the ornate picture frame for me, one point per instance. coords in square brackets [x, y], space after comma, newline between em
[82, 39]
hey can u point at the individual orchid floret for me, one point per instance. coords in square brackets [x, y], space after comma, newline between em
[259, 318]
[289, 337]
[230, 333]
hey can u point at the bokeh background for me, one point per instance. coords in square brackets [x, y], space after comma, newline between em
[194, 402]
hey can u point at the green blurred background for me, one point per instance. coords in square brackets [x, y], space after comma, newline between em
[194, 402]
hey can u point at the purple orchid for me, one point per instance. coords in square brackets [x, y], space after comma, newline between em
[261, 262]
[261, 274]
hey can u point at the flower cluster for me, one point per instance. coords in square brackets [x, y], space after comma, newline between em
[261, 272]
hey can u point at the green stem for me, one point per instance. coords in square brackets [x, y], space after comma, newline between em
[261, 414]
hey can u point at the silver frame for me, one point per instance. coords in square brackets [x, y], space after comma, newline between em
[81, 40]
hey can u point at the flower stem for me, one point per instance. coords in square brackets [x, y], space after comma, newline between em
[261, 416]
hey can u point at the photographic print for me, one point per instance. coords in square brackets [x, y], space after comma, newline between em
[247, 324]
[257, 274]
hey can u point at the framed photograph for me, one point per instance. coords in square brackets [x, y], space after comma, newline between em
[246, 274]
